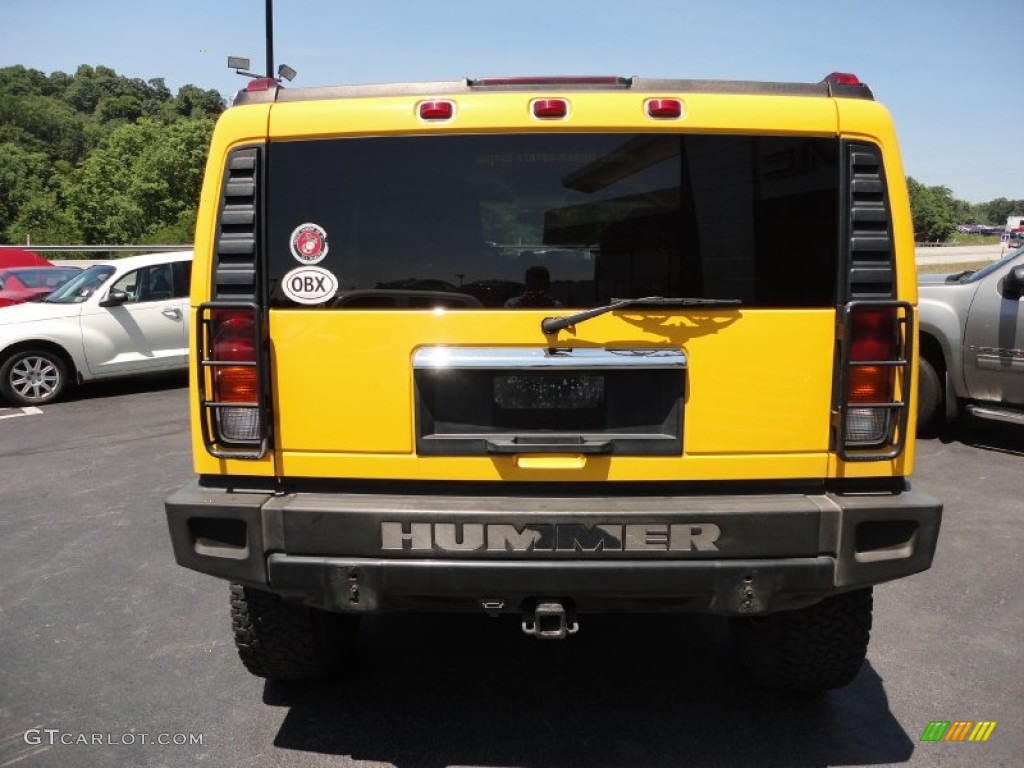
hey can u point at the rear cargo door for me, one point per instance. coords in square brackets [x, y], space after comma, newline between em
[382, 250]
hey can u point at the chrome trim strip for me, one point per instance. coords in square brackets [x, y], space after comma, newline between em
[1005, 415]
[989, 359]
[437, 358]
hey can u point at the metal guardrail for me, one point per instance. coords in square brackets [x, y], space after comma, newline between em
[97, 248]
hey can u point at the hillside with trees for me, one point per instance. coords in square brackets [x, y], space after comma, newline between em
[95, 157]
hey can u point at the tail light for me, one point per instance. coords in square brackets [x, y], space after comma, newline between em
[230, 375]
[875, 381]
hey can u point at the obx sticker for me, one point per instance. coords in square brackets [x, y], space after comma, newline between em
[309, 285]
[309, 243]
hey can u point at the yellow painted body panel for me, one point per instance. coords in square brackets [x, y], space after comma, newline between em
[595, 110]
[239, 125]
[759, 382]
[870, 121]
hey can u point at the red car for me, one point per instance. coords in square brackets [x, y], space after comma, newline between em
[18, 257]
[18, 284]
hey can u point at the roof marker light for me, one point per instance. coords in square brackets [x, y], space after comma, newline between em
[436, 110]
[665, 109]
[549, 109]
[261, 84]
[842, 78]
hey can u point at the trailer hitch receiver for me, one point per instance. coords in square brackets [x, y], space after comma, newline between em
[549, 620]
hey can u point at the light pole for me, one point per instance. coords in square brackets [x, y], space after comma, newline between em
[270, 38]
[241, 65]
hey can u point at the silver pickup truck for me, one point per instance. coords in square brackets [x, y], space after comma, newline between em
[972, 343]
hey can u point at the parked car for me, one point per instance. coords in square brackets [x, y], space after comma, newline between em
[120, 318]
[972, 343]
[18, 257]
[19, 284]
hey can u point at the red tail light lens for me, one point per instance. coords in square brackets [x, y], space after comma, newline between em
[233, 339]
[873, 340]
[874, 405]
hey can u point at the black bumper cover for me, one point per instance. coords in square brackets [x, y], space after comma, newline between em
[738, 554]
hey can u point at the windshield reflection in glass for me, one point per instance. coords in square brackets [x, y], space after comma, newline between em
[79, 288]
[601, 216]
[990, 268]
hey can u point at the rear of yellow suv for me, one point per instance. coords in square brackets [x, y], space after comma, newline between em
[551, 347]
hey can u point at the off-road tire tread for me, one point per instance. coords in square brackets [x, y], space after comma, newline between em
[279, 640]
[811, 649]
[929, 398]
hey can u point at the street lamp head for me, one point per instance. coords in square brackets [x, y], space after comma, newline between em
[237, 62]
[286, 72]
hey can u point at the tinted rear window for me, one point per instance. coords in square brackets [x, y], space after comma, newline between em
[463, 219]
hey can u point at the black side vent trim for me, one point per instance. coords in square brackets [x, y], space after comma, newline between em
[872, 274]
[236, 258]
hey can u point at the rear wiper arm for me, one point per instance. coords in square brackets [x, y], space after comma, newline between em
[555, 324]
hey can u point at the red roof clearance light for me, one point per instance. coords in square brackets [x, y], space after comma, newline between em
[842, 78]
[261, 84]
[550, 109]
[665, 109]
[436, 110]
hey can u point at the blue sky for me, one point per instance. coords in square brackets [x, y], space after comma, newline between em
[951, 72]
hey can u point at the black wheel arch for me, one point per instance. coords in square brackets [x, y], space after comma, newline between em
[932, 351]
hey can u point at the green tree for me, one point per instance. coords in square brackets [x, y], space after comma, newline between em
[142, 179]
[19, 81]
[48, 119]
[97, 157]
[46, 220]
[25, 176]
[996, 211]
[932, 211]
[119, 108]
[194, 102]
[964, 212]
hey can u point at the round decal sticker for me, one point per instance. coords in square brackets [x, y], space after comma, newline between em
[309, 243]
[309, 285]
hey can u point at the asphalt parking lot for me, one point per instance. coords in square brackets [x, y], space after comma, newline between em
[106, 639]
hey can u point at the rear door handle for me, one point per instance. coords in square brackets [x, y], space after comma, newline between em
[172, 312]
[552, 444]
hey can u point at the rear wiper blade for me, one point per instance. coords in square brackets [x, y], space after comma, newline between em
[555, 324]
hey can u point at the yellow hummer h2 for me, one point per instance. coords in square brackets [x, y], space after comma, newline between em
[551, 346]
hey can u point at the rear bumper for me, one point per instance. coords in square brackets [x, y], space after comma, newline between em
[725, 554]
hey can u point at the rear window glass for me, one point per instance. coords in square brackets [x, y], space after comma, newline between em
[562, 220]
